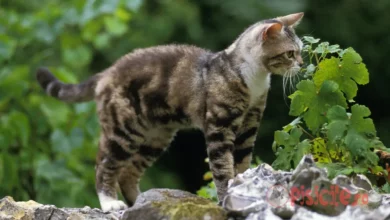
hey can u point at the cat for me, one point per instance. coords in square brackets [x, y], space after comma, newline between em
[146, 96]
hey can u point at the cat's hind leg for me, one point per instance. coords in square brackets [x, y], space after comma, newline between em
[111, 158]
[147, 154]
[120, 140]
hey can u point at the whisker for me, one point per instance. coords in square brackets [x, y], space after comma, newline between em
[284, 88]
[291, 82]
[288, 82]
[296, 81]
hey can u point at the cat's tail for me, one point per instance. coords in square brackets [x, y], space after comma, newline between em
[82, 92]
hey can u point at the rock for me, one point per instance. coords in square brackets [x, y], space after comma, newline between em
[355, 213]
[159, 204]
[169, 204]
[260, 193]
[304, 193]
[30, 210]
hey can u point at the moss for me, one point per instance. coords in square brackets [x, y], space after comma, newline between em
[189, 208]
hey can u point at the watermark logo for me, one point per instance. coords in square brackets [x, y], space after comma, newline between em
[279, 196]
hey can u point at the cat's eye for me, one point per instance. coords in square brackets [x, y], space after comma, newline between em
[290, 54]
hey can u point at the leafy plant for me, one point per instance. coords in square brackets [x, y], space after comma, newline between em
[330, 125]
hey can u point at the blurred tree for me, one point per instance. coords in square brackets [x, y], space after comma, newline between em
[48, 147]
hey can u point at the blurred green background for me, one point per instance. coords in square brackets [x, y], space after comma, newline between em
[47, 148]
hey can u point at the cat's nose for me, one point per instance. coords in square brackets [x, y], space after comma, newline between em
[300, 61]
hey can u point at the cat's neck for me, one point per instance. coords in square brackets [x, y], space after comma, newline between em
[256, 76]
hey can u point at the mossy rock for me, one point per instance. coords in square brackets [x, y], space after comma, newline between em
[170, 204]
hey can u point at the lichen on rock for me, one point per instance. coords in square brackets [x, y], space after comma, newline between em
[31, 210]
[173, 205]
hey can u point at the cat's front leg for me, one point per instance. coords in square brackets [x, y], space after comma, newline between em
[220, 135]
[246, 135]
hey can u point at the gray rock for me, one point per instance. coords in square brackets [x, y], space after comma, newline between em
[355, 213]
[30, 210]
[303, 193]
[386, 199]
[261, 193]
[260, 190]
[162, 204]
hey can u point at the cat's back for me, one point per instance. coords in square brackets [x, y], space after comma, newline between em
[168, 72]
[146, 65]
[158, 60]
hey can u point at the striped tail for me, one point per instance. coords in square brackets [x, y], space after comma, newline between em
[72, 93]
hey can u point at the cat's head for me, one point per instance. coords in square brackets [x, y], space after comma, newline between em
[274, 45]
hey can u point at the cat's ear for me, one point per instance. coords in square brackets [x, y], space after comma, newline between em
[292, 20]
[271, 31]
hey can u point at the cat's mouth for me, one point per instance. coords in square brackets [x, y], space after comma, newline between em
[292, 72]
[290, 79]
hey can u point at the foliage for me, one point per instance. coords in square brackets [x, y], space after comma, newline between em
[47, 145]
[78, 38]
[330, 125]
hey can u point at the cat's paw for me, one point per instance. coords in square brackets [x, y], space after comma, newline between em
[112, 205]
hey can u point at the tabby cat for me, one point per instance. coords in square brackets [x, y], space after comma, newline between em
[146, 96]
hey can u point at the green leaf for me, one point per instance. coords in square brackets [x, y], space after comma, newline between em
[281, 137]
[320, 151]
[7, 47]
[386, 188]
[65, 75]
[345, 73]
[69, 40]
[354, 67]
[311, 40]
[91, 29]
[123, 14]
[284, 158]
[115, 26]
[134, 4]
[338, 125]
[322, 48]
[310, 69]
[56, 112]
[53, 171]
[295, 135]
[14, 82]
[60, 142]
[314, 105]
[77, 57]
[288, 139]
[335, 169]
[301, 149]
[1, 169]
[357, 131]
[102, 41]
[21, 126]
[208, 192]
[360, 122]
[334, 48]
[11, 171]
